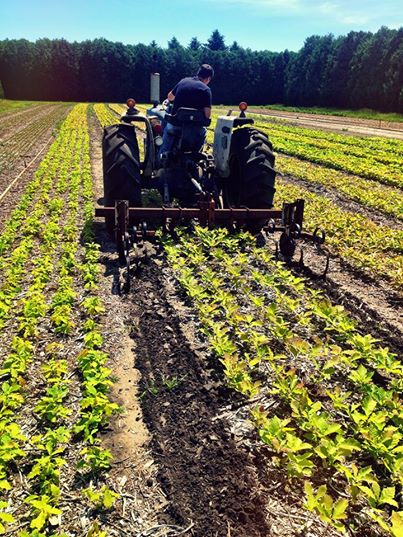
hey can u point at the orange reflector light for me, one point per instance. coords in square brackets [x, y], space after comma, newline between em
[243, 106]
[157, 129]
[131, 103]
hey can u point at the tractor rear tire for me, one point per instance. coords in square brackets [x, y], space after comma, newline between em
[252, 175]
[121, 167]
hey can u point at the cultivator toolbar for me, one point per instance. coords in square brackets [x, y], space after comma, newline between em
[133, 225]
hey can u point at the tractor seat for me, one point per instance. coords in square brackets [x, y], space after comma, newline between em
[188, 116]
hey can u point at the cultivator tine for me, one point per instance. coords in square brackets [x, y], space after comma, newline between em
[318, 238]
[327, 266]
[301, 260]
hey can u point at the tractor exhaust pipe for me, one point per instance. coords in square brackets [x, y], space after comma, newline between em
[155, 88]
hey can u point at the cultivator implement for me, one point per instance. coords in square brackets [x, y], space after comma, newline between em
[134, 225]
[231, 187]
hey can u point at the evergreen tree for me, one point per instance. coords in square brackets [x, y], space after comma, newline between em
[216, 41]
[194, 44]
[361, 69]
[234, 47]
[174, 44]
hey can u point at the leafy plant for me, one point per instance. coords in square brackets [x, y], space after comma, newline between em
[104, 498]
[44, 511]
[95, 458]
[330, 511]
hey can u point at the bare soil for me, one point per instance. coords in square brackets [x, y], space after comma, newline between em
[373, 302]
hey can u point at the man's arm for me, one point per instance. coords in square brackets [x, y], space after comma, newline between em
[171, 94]
[208, 101]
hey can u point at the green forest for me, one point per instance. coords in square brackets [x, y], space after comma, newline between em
[359, 70]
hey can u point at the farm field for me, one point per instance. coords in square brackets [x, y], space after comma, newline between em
[226, 394]
[360, 114]
[387, 125]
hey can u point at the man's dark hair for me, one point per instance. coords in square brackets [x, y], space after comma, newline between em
[205, 71]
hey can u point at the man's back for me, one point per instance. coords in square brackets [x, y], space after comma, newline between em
[190, 92]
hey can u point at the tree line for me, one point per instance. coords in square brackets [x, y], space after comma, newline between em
[361, 69]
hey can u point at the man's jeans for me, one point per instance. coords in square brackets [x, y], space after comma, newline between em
[195, 137]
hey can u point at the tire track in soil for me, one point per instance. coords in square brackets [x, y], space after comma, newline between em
[144, 509]
[373, 302]
[208, 478]
[378, 310]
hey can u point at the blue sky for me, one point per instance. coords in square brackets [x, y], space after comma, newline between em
[259, 24]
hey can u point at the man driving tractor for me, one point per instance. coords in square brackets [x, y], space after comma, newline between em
[190, 92]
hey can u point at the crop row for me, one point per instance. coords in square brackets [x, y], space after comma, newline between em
[53, 304]
[369, 145]
[7, 106]
[321, 412]
[105, 115]
[18, 146]
[16, 121]
[367, 193]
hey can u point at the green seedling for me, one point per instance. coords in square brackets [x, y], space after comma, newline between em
[93, 306]
[43, 510]
[5, 518]
[170, 383]
[104, 498]
[336, 450]
[238, 377]
[95, 531]
[357, 477]
[329, 511]
[377, 496]
[95, 459]
[300, 464]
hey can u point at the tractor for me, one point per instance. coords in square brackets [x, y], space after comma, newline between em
[233, 185]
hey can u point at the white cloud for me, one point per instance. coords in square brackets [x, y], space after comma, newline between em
[350, 13]
[328, 8]
[279, 6]
[354, 20]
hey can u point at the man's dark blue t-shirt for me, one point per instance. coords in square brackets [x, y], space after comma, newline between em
[191, 93]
